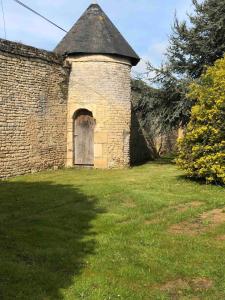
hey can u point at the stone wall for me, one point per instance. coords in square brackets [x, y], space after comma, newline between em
[140, 150]
[33, 104]
[167, 143]
[101, 84]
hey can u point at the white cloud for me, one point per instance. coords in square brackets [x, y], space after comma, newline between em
[184, 7]
[140, 69]
[159, 48]
[154, 55]
[135, 19]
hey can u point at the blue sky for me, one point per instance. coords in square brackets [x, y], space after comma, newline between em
[146, 24]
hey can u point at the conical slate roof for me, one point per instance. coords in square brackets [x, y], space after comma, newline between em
[94, 33]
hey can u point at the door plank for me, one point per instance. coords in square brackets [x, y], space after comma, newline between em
[84, 139]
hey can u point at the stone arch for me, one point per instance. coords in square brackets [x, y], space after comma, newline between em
[82, 111]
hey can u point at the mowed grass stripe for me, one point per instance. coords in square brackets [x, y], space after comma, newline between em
[97, 235]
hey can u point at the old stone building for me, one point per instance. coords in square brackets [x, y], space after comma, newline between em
[71, 106]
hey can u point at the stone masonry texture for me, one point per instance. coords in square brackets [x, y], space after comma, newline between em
[140, 151]
[101, 84]
[33, 109]
[40, 93]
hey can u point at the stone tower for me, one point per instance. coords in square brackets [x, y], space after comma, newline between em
[99, 99]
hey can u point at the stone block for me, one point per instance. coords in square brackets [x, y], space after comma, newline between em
[98, 150]
[101, 163]
[101, 137]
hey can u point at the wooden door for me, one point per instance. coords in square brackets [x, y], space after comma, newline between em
[84, 124]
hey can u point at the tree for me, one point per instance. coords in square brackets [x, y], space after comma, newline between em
[143, 103]
[154, 119]
[171, 104]
[202, 150]
[193, 45]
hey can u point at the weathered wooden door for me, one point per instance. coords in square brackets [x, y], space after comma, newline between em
[84, 124]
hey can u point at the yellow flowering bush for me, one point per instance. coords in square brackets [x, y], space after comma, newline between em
[202, 150]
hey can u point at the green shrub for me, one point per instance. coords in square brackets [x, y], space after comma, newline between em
[202, 150]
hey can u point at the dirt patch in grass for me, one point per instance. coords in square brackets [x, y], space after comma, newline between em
[175, 285]
[149, 222]
[215, 216]
[201, 284]
[177, 288]
[129, 203]
[179, 208]
[221, 237]
[190, 228]
[125, 222]
[186, 206]
[204, 222]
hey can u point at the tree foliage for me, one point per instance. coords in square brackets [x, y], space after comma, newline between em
[171, 104]
[202, 150]
[193, 45]
[143, 103]
[144, 100]
[159, 133]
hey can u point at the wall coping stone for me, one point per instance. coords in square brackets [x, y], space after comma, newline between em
[26, 51]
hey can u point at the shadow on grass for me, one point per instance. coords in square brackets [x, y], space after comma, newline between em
[45, 238]
[164, 161]
[200, 181]
[190, 179]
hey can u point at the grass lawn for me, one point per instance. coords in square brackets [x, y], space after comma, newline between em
[138, 234]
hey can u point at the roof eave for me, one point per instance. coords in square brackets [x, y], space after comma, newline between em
[134, 60]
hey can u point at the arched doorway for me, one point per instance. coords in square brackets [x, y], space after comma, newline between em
[84, 124]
